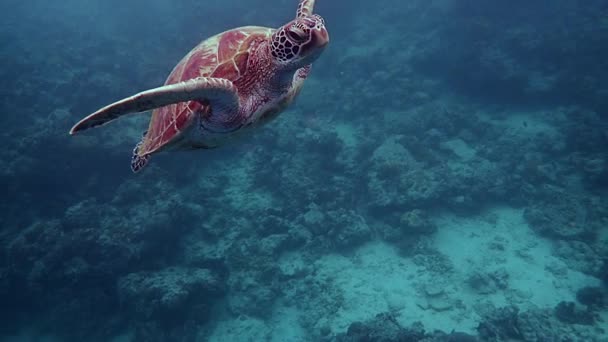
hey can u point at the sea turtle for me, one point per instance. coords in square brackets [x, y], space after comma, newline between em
[225, 86]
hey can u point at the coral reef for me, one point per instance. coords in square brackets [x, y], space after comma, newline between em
[384, 328]
[395, 137]
[534, 325]
[156, 300]
[594, 297]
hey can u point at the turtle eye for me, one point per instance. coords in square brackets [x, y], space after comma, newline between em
[296, 36]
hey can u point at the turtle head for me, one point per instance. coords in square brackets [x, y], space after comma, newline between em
[300, 41]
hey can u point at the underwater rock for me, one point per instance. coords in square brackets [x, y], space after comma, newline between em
[487, 283]
[71, 268]
[273, 224]
[568, 312]
[456, 336]
[397, 179]
[382, 328]
[171, 294]
[434, 289]
[417, 222]
[327, 147]
[155, 331]
[534, 325]
[500, 324]
[391, 155]
[294, 267]
[603, 272]
[202, 254]
[341, 229]
[255, 301]
[565, 216]
[350, 229]
[585, 131]
[540, 325]
[439, 303]
[435, 297]
[593, 296]
[274, 244]
[29, 257]
[579, 256]
[254, 280]
[433, 261]
[48, 254]
[314, 216]
[82, 214]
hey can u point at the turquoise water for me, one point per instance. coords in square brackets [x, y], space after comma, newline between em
[442, 176]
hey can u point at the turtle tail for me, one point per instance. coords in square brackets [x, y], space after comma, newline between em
[138, 162]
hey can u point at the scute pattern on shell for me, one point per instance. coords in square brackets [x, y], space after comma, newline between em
[223, 51]
[225, 55]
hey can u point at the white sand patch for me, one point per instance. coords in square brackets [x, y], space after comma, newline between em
[243, 329]
[348, 134]
[504, 241]
[377, 279]
[460, 148]
[284, 325]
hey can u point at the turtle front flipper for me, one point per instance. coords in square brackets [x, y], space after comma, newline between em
[217, 90]
[305, 8]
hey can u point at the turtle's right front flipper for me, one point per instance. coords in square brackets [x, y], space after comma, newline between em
[305, 8]
[214, 89]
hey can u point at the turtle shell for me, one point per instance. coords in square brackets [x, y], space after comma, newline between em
[225, 55]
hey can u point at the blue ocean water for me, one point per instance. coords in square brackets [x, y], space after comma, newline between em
[442, 176]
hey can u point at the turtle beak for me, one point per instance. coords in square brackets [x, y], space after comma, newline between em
[320, 37]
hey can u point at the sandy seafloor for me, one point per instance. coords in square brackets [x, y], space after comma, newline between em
[375, 278]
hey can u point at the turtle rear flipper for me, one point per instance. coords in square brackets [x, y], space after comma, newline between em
[138, 162]
[216, 90]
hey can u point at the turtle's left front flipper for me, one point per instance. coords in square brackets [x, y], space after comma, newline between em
[216, 89]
